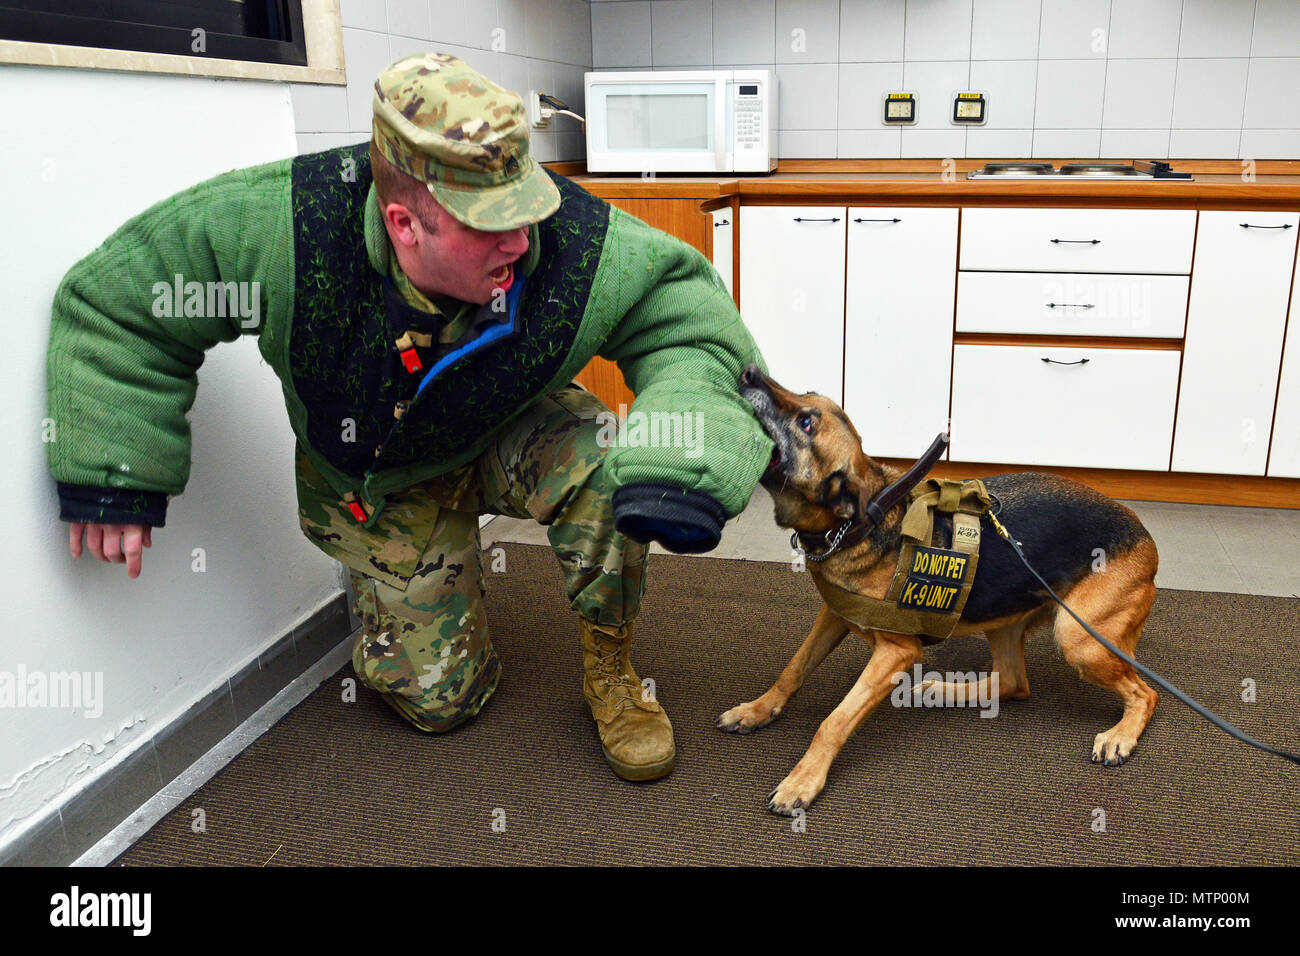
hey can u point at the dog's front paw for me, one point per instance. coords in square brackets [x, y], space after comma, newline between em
[1111, 749]
[746, 718]
[796, 791]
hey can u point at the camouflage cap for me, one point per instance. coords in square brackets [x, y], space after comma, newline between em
[455, 130]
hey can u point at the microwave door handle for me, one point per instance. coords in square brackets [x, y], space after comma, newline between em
[720, 117]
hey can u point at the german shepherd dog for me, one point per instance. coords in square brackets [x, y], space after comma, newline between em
[1091, 550]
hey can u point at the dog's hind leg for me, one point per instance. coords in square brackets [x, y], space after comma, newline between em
[1116, 603]
[1008, 646]
[827, 632]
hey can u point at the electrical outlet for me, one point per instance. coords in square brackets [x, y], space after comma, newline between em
[535, 118]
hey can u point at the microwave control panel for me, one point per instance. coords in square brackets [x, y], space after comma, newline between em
[749, 117]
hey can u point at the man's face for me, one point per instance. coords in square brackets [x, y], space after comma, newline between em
[451, 258]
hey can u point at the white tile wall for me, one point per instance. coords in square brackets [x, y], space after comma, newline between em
[620, 35]
[541, 44]
[681, 33]
[807, 144]
[1204, 143]
[1134, 143]
[1005, 30]
[1277, 28]
[1205, 77]
[744, 31]
[809, 95]
[1216, 28]
[985, 143]
[1073, 29]
[871, 30]
[1067, 143]
[1009, 86]
[1139, 94]
[364, 14]
[933, 143]
[1145, 28]
[320, 109]
[409, 18]
[937, 30]
[861, 86]
[366, 55]
[1269, 144]
[934, 82]
[869, 144]
[1070, 94]
[486, 23]
[1273, 93]
[807, 31]
[1210, 94]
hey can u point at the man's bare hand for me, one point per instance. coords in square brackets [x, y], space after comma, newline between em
[115, 543]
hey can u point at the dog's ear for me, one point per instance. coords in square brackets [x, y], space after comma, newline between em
[845, 495]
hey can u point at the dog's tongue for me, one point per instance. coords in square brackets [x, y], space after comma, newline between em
[776, 458]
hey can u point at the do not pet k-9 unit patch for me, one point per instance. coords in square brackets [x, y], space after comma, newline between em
[934, 580]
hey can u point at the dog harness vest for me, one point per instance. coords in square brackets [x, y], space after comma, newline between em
[931, 584]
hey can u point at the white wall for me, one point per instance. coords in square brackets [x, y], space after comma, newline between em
[1186, 79]
[83, 151]
[541, 44]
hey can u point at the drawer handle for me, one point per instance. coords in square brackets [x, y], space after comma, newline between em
[1082, 361]
[878, 220]
[1071, 305]
[1091, 241]
[1248, 225]
[722, 222]
[833, 219]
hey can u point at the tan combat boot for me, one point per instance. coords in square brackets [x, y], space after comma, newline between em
[634, 733]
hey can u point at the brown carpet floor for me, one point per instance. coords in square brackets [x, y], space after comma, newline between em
[351, 783]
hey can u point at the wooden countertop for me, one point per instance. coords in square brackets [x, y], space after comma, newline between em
[1275, 184]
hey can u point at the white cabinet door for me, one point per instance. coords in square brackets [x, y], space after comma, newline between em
[723, 224]
[792, 293]
[1235, 323]
[1082, 407]
[902, 273]
[1284, 458]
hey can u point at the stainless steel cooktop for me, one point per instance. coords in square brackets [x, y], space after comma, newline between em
[1140, 170]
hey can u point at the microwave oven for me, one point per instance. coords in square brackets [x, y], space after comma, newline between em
[681, 121]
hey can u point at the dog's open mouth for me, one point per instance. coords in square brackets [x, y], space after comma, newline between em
[774, 465]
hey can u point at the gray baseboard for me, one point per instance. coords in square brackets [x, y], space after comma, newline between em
[82, 822]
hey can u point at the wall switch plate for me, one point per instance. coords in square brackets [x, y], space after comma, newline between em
[535, 118]
[899, 108]
[969, 108]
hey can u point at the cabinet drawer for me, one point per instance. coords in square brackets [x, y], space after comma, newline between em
[1078, 240]
[1114, 411]
[1054, 303]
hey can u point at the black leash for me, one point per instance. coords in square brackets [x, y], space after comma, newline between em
[1145, 672]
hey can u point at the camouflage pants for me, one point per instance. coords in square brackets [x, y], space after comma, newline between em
[424, 641]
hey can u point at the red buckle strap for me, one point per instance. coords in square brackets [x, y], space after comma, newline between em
[406, 346]
[353, 505]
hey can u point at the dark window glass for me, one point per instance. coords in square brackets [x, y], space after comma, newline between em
[263, 31]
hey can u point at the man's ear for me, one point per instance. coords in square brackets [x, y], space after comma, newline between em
[400, 222]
